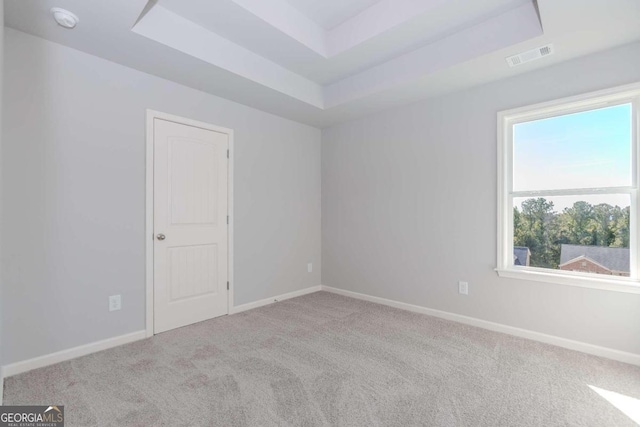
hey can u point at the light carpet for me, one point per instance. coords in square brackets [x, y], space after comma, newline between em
[329, 360]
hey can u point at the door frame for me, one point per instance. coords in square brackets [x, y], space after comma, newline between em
[149, 232]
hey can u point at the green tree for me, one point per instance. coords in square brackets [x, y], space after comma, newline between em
[538, 232]
[518, 228]
[577, 223]
[603, 228]
[621, 227]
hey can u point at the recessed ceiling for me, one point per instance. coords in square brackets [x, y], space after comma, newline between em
[331, 13]
[322, 62]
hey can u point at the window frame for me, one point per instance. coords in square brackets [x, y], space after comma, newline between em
[576, 104]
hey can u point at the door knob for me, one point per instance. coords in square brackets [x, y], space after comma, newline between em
[161, 236]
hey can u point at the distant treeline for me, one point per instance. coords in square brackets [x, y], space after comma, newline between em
[541, 229]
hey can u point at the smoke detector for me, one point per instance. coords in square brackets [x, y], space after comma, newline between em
[64, 18]
[530, 55]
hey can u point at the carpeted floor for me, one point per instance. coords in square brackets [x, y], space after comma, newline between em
[324, 359]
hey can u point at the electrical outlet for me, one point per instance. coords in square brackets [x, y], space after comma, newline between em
[463, 288]
[310, 267]
[115, 303]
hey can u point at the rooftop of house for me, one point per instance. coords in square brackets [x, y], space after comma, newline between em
[520, 255]
[615, 259]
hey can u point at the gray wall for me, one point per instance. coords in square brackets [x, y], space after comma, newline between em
[409, 208]
[1, 87]
[74, 195]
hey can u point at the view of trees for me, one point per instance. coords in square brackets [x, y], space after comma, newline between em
[541, 229]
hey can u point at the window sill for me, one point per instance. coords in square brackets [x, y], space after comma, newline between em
[620, 284]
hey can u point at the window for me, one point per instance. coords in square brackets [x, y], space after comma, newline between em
[568, 191]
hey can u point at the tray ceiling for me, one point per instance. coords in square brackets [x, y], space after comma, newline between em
[321, 62]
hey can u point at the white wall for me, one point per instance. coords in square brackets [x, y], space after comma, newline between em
[409, 208]
[74, 195]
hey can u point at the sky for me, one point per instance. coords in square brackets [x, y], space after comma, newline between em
[582, 150]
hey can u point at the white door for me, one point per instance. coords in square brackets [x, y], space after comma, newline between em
[190, 224]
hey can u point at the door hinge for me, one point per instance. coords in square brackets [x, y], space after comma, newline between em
[227, 219]
[227, 285]
[227, 154]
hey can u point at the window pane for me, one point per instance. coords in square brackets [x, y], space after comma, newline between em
[574, 233]
[582, 150]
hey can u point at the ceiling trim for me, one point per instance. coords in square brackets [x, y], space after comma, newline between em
[508, 28]
[171, 29]
[287, 19]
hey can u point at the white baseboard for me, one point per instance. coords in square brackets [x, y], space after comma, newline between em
[71, 353]
[595, 350]
[83, 350]
[267, 301]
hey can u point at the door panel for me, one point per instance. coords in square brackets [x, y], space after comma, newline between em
[193, 186]
[193, 271]
[190, 216]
